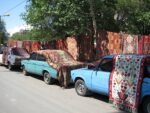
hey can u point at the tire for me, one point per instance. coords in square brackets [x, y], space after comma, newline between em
[81, 88]
[146, 105]
[24, 71]
[47, 78]
[10, 67]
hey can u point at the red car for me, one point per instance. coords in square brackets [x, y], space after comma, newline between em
[12, 56]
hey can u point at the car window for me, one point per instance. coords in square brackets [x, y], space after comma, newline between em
[147, 67]
[106, 65]
[146, 71]
[33, 56]
[41, 58]
[1, 49]
[20, 52]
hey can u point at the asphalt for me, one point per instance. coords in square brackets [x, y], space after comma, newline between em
[29, 94]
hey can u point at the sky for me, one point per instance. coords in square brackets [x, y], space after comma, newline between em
[14, 8]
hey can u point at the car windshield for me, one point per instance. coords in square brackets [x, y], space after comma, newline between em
[147, 67]
[20, 52]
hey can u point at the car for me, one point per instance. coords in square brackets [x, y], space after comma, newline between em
[52, 65]
[12, 56]
[1, 58]
[1, 53]
[96, 78]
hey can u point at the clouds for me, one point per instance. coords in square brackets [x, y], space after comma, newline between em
[18, 28]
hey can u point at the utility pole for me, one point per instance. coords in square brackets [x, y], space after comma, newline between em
[3, 16]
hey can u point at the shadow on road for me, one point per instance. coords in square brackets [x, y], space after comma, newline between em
[99, 97]
[92, 95]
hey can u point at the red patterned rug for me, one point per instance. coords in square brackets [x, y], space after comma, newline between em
[114, 43]
[63, 62]
[125, 82]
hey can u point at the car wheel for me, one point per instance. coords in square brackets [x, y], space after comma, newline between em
[47, 78]
[10, 67]
[24, 71]
[81, 88]
[146, 105]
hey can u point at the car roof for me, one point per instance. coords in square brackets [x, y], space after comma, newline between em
[111, 56]
[49, 50]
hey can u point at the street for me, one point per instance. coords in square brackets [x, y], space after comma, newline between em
[29, 94]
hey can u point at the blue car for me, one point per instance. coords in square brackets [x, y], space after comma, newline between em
[95, 78]
[38, 65]
[46, 62]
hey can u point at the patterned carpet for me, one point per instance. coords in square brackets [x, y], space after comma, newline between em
[125, 82]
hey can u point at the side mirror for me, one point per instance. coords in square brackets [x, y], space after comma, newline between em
[91, 66]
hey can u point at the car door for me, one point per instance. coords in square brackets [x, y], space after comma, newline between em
[40, 64]
[100, 76]
[11, 57]
[30, 64]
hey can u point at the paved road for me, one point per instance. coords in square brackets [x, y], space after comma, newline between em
[28, 94]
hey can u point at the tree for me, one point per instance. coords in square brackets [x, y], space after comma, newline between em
[3, 33]
[32, 35]
[62, 18]
[133, 16]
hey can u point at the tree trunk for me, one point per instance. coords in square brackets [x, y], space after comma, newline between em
[94, 34]
[92, 13]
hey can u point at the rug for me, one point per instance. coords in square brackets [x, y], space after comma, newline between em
[72, 47]
[35, 46]
[114, 43]
[27, 45]
[11, 43]
[130, 44]
[63, 62]
[19, 44]
[85, 48]
[61, 44]
[144, 45]
[125, 82]
[102, 44]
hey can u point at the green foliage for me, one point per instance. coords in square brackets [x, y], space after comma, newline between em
[2, 26]
[33, 35]
[60, 18]
[3, 32]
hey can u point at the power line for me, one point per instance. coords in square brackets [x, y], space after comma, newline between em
[15, 7]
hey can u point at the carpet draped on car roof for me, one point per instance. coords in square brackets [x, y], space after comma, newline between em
[63, 62]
